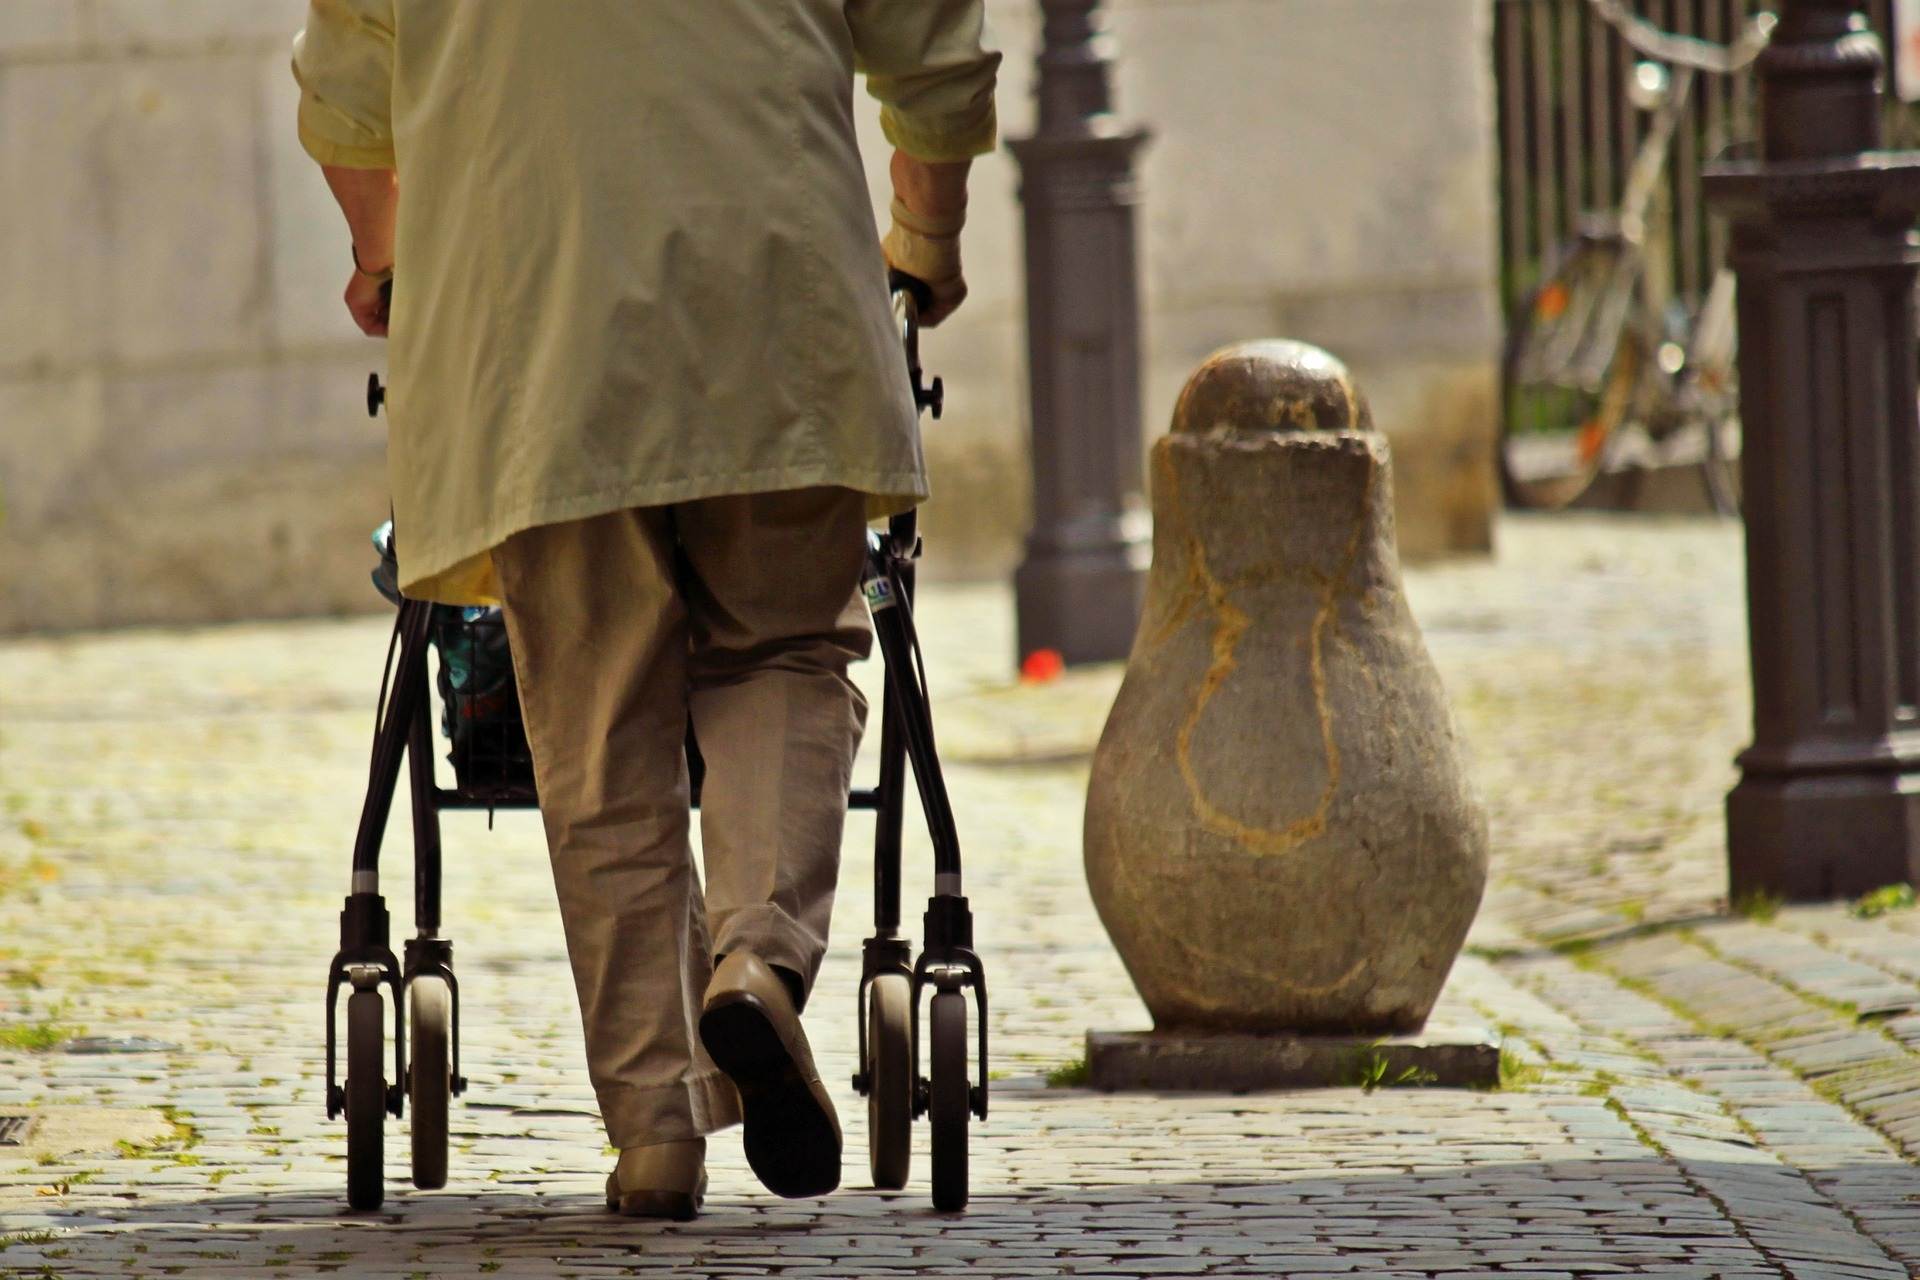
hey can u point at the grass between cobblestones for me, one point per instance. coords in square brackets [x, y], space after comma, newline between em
[1369, 1069]
[1070, 1075]
[1518, 1073]
[1889, 898]
[37, 1036]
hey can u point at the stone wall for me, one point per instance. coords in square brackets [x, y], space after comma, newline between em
[179, 436]
[181, 430]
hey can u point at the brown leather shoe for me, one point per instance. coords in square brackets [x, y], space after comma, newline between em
[752, 1033]
[665, 1180]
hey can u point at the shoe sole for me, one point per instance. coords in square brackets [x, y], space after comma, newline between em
[791, 1141]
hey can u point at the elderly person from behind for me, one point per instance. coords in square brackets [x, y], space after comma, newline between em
[646, 394]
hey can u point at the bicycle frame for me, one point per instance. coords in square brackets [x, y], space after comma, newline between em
[1629, 239]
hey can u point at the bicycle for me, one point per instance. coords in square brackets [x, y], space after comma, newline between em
[1605, 371]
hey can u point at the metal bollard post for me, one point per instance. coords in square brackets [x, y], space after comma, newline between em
[1079, 587]
[1828, 802]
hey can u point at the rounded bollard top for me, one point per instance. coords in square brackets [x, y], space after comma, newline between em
[1273, 384]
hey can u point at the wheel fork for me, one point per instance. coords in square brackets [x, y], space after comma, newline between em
[950, 963]
[366, 963]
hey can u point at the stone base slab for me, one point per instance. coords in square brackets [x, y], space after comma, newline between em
[1449, 1057]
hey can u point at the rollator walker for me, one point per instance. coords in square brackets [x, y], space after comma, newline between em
[492, 767]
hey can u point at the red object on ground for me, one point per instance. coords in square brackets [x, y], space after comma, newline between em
[1041, 666]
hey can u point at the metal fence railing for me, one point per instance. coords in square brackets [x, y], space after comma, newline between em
[1568, 132]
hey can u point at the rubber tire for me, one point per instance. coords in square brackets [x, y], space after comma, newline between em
[366, 1100]
[1721, 472]
[1559, 492]
[429, 1077]
[890, 1080]
[949, 1103]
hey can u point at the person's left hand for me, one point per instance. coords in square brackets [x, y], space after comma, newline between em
[367, 302]
[928, 249]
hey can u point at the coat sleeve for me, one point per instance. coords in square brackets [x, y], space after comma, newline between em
[929, 64]
[344, 63]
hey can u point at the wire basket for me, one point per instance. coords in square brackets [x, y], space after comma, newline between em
[481, 705]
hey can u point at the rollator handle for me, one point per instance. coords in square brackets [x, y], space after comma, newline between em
[914, 287]
[911, 296]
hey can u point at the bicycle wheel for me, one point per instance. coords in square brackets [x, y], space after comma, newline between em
[1712, 391]
[1721, 469]
[1571, 378]
[366, 1099]
[430, 1078]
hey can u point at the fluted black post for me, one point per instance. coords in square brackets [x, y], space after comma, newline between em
[1828, 802]
[1079, 587]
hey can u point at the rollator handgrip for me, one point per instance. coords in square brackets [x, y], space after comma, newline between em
[914, 287]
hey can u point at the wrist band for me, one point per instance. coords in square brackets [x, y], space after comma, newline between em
[935, 260]
[937, 227]
[378, 277]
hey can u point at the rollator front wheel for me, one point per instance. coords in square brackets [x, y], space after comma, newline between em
[430, 1077]
[890, 1080]
[366, 1099]
[949, 1102]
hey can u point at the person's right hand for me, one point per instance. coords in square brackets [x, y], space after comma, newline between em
[367, 302]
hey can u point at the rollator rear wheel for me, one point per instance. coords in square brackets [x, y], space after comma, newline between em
[949, 1103]
[366, 1099]
[430, 1078]
[890, 1080]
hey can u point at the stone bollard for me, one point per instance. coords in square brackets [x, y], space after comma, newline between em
[1281, 837]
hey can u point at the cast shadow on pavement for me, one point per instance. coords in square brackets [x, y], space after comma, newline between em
[1573, 1217]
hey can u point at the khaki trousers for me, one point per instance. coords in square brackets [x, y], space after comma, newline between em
[745, 612]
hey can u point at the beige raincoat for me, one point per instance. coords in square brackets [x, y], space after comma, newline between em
[636, 261]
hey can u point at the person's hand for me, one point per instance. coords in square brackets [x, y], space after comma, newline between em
[367, 301]
[929, 208]
[370, 199]
[928, 249]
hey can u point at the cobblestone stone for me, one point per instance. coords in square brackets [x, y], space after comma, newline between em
[176, 810]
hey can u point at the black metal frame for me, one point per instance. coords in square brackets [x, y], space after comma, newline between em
[365, 959]
[947, 962]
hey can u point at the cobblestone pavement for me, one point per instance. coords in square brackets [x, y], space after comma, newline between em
[1695, 1093]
